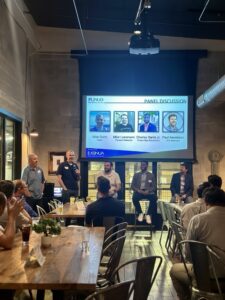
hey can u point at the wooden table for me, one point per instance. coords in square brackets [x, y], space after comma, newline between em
[69, 211]
[66, 266]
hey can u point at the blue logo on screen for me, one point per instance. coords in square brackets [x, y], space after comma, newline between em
[95, 153]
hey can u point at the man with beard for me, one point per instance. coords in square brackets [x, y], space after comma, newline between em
[113, 177]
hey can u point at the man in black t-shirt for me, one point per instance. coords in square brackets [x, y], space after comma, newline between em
[105, 206]
[68, 176]
[124, 126]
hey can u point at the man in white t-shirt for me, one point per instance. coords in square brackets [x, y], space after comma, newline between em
[112, 176]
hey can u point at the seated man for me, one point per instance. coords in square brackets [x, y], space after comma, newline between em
[144, 187]
[7, 187]
[194, 208]
[182, 185]
[112, 176]
[105, 205]
[207, 227]
[215, 181]
[21, 192]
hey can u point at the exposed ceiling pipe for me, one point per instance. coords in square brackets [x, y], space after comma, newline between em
[211, 93]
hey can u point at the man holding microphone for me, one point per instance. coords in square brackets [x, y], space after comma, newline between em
[68, 176]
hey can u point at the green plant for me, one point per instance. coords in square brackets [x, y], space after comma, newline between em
[47, 226]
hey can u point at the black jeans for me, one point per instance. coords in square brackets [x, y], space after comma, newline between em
[152, 209]
[66, 194]
[34, 202]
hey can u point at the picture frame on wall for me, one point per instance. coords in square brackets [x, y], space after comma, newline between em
[54, 160]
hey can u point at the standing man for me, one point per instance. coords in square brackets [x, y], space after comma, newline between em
[34, 178]
[147, 126]
[113, 177]
[68, 176]
[182, 185]
[144, 187]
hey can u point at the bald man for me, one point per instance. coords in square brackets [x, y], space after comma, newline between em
[68, 176]
[34, 178]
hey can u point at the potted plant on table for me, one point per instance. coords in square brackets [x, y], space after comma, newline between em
[49, 227]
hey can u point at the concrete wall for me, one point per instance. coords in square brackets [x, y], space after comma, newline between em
[14, 50]
[56, 105]
[210, 121]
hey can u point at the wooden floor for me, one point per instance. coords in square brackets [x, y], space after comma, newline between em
[139, 244]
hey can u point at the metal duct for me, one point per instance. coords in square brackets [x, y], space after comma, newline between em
[210, 94]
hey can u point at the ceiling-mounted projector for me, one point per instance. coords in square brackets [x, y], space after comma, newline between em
[144, 44]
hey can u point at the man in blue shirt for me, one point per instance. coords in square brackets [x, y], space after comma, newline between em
[68, 176]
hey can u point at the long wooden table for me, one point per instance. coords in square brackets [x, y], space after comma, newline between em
[69, 211]
[65, 267]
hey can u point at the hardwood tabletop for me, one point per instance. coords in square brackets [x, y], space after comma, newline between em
[66, 266]
[69, 211]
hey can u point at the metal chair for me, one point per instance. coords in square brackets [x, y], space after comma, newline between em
[120, 291]
[179, 233]
[115, 249]
[164, 219]
[145, 272]
[41, 211]
[51, 206]
[111, 234]
[205, 263]
[115, 228]
[106, 221]
[171, 217]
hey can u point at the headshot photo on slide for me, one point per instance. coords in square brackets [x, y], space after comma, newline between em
[148, 121]
[99, 121]
[124, 121]
[173, 121]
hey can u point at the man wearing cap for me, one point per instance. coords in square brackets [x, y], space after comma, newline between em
[182, 185]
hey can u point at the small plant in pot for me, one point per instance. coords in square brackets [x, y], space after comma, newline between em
[49, 227]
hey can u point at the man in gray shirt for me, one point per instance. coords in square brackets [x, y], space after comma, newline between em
[33, 176]
[144, 187]
[207, 227]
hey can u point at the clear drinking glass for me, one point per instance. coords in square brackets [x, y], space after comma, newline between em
[85, 235]
[60, 208]
[26, 233]
[72, 200]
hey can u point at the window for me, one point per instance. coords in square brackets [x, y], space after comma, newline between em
[10, 148]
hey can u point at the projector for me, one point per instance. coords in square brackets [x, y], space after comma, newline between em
[143, 44]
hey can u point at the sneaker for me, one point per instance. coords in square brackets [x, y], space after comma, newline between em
[148, 219]
[140, 218]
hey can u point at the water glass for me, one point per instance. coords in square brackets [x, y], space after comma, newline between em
[85, 235]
